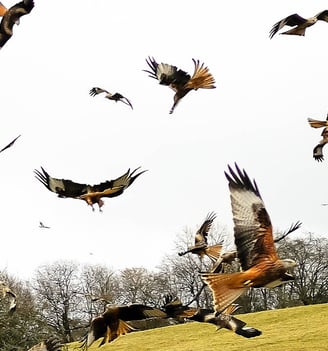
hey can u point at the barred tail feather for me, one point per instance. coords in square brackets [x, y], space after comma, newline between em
[314, 123]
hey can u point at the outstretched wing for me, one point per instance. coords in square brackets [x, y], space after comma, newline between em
[11, 17]
[62, 187]
[322, 16]
[318, 149]
[95, 91]
[10, 144]
[292, 20]
[201, 78]
[253, 229]
[202, 232]
[120, 97]
[314, 123]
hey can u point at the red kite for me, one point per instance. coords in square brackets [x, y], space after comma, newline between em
[113, 322]
[43, 226]
[261, 266]
[315, 123]
[116, 97]
[8, 293]
[299, 23]
[201, 248]
[318, 149]
[92, 194]
[9, 145]
[180, 81]
[11, 16]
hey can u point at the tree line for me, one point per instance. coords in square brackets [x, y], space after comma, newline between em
[62, 298]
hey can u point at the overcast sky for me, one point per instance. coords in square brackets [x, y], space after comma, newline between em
[257, 116]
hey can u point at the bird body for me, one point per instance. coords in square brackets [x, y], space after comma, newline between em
[178, 80]
[298, 23]
[11, 16]
[318, 149]
[115, 97]
[261, 266]
[92, 194]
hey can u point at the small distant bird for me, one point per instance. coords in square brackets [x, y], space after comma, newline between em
[201, 247]
[9, 145]
[318, 149]
[50, 344]
[92, 194]
[11, 16]
[41, 225]
[261, 266]
[299, 23]
[8, 293]
[314, 123]
[114, 322]
[180, 81]
[116, 97]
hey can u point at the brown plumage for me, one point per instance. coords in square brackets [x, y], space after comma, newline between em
[7, 293]
[11, 16]
[261, 266]
[115, 97]
[178, 80]
[49, 344]
[92, 194]
[318, 149]
[114, 322]
[315, 123]
[299, 23]
[9, 145]
[201, 247]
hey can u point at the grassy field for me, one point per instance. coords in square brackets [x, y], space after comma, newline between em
[291, 329]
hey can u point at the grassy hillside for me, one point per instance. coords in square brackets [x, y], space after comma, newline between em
[292, 329]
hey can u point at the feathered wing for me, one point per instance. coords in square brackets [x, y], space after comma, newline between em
[213, 252]
[3, 9]
[314, 123]
[292, 20]
[11, 17]
[202, 232]
[322, 16]
[95, 91]
[120, 97]
[10, 144]
[201, 78]
[318, 149]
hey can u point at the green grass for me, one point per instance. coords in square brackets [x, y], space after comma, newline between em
[292, 329]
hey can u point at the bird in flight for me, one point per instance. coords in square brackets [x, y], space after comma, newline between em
[116, 97]
[178, 80]
[9, 145]
[299, 23]
[318, 149]
[261, 266]
[11, 16]
[42, 226]
[201, 247]
[315, 123]
[92, 194]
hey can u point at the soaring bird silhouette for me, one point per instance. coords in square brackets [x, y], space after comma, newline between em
[180, 81]
[9, 145]
[114, 322]
[43, 226]
[50, 344]
[92, 194]
[318, 149]
[116, 97]
[299, 23]
[261, 266]
[201, 247]
[11, 16]
[8, 293]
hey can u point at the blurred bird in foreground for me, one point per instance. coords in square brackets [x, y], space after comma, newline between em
[8, 293]
[115, 97]
[92, 194]
[50, 344]
[261, 266]
[299, 23]
[178, 80]
[11, 16]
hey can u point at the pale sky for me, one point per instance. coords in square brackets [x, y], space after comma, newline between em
[257, 116]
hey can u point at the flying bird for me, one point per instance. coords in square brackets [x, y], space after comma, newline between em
[178, 80]
[42, 226]
[92, 194]
[315, 123]
[11, 16]
[50, 344]
[9, 145]
[261, 266]
[116, 97]
[318, 149]
[299, 23]
[114, 322]
[8, 293]
[201, 247]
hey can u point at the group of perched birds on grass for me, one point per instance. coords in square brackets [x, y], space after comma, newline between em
[260, 265]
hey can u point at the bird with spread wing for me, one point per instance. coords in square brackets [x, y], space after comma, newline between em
[318, 149]
[9, 145]
[11, 16]
[315, 123]
[261, 266]
[92, 194]
[299, 23]
[201, 247]
[178, 80]
[115, 97]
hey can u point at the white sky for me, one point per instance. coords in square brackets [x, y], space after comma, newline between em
[257, 116]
